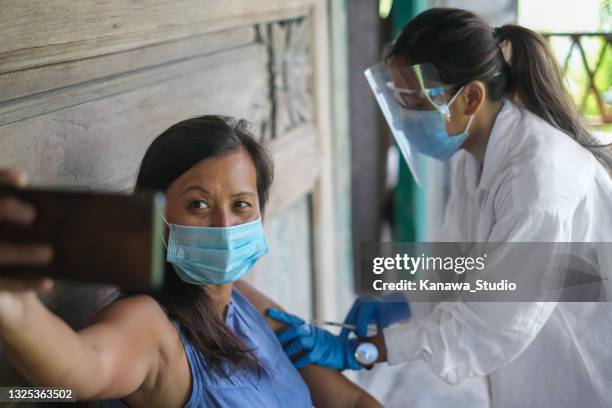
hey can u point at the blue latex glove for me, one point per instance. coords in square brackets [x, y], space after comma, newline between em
[320, 346]
[385, 310]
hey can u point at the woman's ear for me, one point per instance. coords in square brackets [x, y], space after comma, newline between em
[473, 96]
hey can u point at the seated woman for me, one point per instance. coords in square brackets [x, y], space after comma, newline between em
[199, 342]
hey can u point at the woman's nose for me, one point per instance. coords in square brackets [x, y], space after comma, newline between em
[221, 218]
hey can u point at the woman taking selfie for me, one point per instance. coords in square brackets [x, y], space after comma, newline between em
[199, 342]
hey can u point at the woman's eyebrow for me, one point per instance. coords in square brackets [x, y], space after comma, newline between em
[196, 187]
[202, 189]
[245, 192]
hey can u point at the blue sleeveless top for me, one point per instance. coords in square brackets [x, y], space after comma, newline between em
[278, 383]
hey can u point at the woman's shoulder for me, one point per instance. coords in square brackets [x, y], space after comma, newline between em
[141, 311]
[244, 305]
[140, 304]
[243, 308]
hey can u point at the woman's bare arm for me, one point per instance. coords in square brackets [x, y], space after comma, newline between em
[328, 388]
[114, 357]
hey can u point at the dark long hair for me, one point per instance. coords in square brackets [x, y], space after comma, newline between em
[463, 47]
[171, 154]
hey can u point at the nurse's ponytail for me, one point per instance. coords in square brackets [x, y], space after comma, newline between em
[512, 61]
[538, 84]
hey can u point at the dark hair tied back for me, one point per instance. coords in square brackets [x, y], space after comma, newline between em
[464, 48]
[498, 35]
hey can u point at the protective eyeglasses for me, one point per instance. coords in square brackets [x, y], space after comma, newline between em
[423, 99]
[418, 87]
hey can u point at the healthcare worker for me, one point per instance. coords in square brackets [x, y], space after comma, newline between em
[526, 169]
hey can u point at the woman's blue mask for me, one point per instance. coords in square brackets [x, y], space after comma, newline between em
[215, 255]
[426, 131]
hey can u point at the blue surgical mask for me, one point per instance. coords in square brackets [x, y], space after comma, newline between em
[426, 132]
[215, 255]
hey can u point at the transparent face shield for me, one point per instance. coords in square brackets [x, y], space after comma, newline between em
[413, 100]
[419, 87]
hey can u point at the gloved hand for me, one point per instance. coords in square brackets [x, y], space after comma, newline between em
[385, 310]
[322, 347]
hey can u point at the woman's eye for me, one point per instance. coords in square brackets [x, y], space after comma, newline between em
[199, 204]
[242, 204]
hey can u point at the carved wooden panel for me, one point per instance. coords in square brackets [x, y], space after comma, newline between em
[289, 44]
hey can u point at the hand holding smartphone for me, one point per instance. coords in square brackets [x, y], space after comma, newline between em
[95, 237]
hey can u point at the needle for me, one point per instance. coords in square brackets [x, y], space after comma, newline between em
[329, 323]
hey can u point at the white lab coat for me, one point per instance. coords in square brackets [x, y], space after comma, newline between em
[536, 184]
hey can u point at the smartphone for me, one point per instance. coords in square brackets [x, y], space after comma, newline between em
[97, 237]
